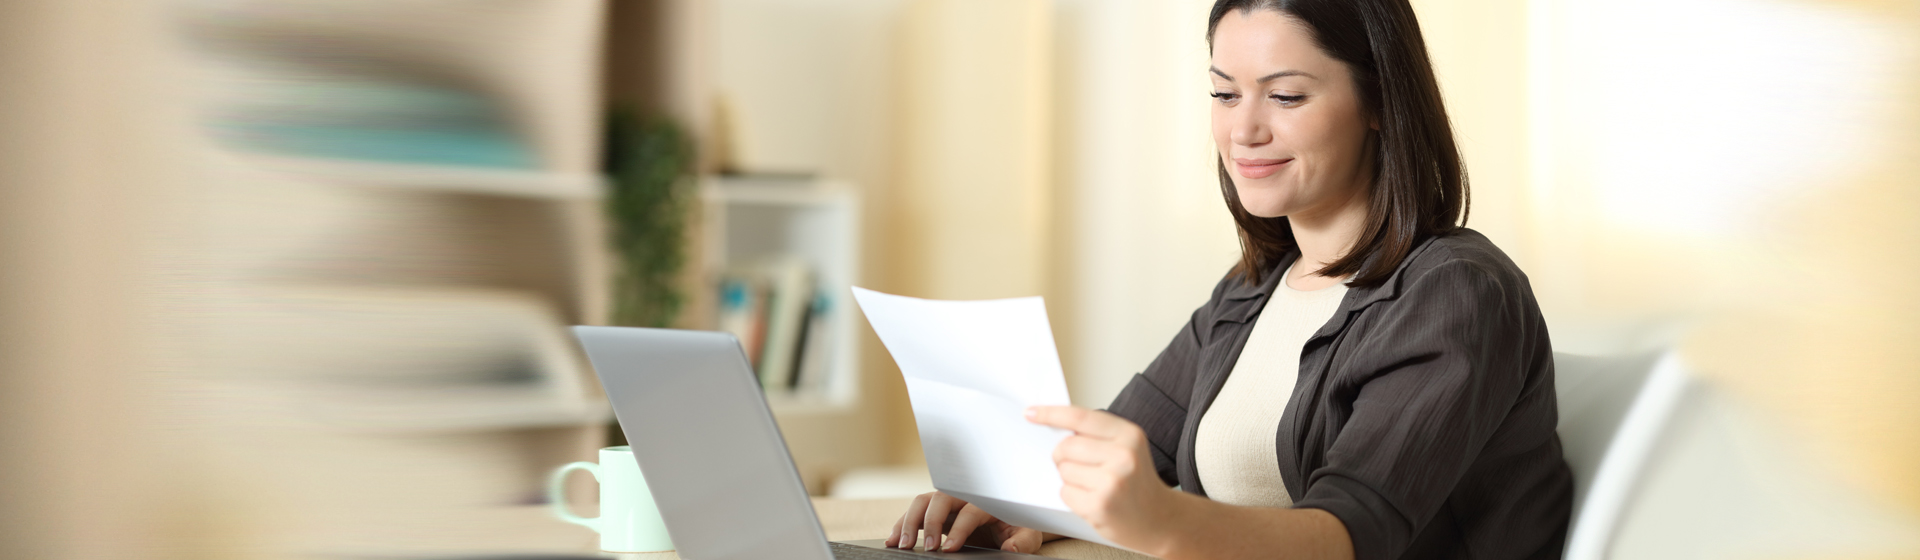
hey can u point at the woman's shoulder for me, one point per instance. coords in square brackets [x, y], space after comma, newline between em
[1466, 253]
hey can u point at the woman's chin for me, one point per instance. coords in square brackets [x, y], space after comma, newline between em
[1263, 208]
[1264, 204]
[1266, 213]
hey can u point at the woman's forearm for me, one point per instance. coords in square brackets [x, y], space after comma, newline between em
[1204, 528]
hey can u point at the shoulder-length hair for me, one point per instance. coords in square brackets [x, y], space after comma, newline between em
[1419, 187]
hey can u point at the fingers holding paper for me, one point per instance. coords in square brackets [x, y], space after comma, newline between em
[1106, 472]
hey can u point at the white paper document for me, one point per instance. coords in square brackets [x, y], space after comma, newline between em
[972, 368]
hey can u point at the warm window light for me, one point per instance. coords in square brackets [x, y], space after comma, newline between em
[1699, 117]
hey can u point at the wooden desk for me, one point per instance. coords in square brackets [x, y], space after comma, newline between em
[534, 530]
[851, 520]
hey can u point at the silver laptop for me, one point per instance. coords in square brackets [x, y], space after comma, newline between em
[692, 409]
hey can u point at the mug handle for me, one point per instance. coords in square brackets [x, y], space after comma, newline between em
[557, 496]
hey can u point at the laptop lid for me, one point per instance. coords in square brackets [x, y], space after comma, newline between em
[706, 442]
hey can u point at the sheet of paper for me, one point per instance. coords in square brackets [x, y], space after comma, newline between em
[972, 368]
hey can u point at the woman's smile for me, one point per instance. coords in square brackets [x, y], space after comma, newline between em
[1255, 168]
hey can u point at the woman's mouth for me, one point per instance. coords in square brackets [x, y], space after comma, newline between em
[1254, 168]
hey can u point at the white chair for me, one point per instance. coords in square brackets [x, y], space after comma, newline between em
[1612, 412]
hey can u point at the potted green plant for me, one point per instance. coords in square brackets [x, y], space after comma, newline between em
[649, 164]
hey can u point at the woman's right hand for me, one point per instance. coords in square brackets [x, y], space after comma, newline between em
[961, 522]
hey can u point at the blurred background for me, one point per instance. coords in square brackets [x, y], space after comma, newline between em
[290, 277]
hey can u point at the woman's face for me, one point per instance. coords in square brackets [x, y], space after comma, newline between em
[1287, 119]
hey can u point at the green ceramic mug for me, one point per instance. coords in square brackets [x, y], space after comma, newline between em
[628, 520]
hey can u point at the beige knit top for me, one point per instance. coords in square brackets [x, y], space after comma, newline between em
[1234, 448]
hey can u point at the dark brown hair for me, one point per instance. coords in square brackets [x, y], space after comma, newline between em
[1419, 185]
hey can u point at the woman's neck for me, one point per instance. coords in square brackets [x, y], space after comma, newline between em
[1325, 236]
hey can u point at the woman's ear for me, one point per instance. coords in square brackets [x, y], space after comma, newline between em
[1373, 123]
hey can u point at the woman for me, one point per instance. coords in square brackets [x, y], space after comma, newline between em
[1370, 381]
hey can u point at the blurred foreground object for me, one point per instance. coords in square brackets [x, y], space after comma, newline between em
[84, 167]
[405, 215]
[287, 279]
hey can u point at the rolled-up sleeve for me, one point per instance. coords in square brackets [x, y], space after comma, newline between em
[1431, 382]
[1159, 416]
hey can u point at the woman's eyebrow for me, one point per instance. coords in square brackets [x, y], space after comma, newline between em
[1263, 79]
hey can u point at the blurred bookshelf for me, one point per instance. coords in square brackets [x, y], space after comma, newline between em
[759, 233]
[790, 242]
[412, 217]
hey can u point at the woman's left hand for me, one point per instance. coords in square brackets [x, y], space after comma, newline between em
[1108, 475]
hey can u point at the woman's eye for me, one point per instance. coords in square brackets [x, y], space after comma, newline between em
[1224, 97]
[1286, 100]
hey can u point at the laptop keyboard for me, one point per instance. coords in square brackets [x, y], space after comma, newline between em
[844, 551]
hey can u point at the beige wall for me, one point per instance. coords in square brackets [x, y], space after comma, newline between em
[972, 208]
[968, 212]
[1144, 233]
[1479, 52]
[805, 85]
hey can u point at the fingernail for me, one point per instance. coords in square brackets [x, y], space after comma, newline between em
[1032, 412]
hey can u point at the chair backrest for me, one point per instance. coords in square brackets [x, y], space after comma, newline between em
[1612, 412]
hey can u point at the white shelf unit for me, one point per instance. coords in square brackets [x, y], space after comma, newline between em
[398, 329]
[754, 219]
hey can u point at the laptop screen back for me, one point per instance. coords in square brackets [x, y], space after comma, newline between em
[706, 442]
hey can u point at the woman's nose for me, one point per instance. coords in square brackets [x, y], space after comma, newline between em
[1249, 129]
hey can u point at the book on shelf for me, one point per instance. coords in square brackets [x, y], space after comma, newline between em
[789, 295]
[810, 374]
[740, 312]
[783, 321]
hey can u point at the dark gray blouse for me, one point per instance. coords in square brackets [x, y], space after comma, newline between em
[1423, 417]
